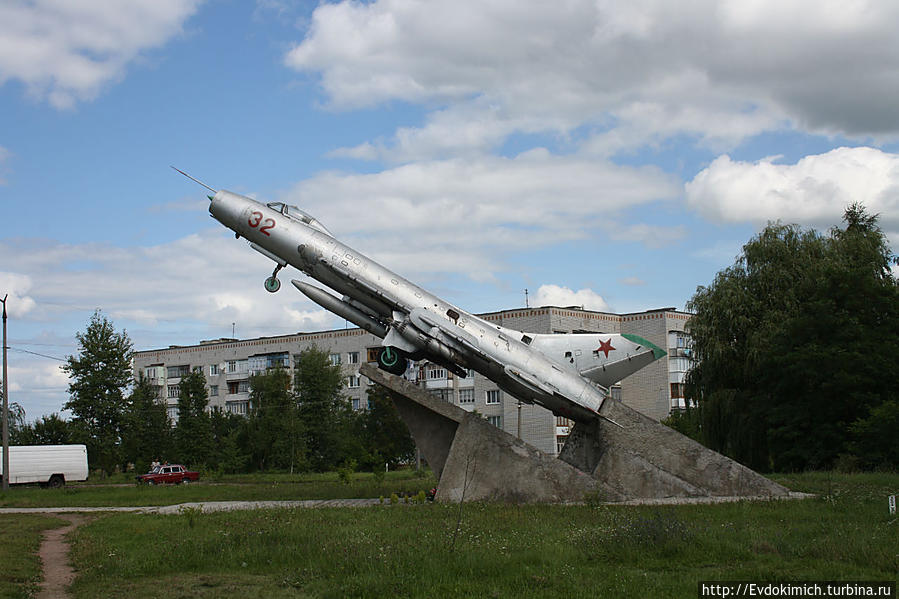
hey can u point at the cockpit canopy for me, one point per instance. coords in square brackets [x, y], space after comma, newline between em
[296, 214]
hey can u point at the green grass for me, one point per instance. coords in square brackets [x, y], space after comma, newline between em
[499, 551]
[127, 478]
[20, 538]
[247, 487]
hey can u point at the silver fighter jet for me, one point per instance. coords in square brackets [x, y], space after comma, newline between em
[567, 374]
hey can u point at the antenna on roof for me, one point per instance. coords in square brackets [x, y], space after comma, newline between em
[526, 304]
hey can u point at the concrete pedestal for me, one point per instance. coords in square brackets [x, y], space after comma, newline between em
[640, 458]
[625, 456]
[475, 461]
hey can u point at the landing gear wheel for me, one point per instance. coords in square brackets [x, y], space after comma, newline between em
[392, 360]
[272, 284]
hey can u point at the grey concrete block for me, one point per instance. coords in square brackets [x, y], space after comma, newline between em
[641, 458]
[474, 460]
[622, 457]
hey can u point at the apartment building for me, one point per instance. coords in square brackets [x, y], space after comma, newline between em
[228, 363]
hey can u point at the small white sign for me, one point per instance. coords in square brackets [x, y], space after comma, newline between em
[892, 505]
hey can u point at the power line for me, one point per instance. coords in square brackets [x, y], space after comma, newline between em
[34, 353]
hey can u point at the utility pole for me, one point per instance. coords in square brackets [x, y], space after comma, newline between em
[5, 406]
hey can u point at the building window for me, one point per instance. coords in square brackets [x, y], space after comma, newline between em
[172, 411]
[174, 391]
[232, 366]
[198, 369]
[235, 387]
[681, 364]
[335, 359]
[616, 393]
[213, 369]
[442, 394]
[238, 407]
[352, 357]
[356, 404]
[174, 372]
[493, 396]
[560, 443]
[496, 421]
[213, 390]
[562, 421]
[436, 373]
[352, 381]
[466, 396]
[677, 389]
[372, 354]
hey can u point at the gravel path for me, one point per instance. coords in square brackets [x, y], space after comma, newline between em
[54, 554]
[206, 506]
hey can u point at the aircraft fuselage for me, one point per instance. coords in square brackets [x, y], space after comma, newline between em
[411, 321]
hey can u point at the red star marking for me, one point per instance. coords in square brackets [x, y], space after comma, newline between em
[604, 347]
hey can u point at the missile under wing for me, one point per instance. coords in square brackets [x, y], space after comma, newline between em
[568, 374]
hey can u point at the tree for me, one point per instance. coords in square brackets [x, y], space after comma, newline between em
[790, 343]
[386, 436]
[324, 411]
[100, 375]
[17, 424]
[275, 428]
[147, 430]
[47, 430]
[193, 431]
[874, 437]
[229, 435]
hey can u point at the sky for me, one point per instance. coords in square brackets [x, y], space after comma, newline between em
[611, 155]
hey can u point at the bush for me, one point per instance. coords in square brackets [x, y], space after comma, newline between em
[379, 475]
[346, 470]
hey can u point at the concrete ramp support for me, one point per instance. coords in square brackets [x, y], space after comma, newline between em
[640, 458]
[475, 461]
[624, 456]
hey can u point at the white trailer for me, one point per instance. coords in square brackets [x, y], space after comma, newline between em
[51, 465]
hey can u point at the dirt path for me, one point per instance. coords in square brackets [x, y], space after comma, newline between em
[54, 554]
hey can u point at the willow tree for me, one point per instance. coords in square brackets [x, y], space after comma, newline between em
[793, 343]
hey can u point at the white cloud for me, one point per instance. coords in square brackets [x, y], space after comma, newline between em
[554, 295]
[464, 215]
[39, 377]
[206, 278]
[640, 72]
[16, 286]
[814, 191]
[65, 52]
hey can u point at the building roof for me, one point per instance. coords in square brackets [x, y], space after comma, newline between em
[224, 342]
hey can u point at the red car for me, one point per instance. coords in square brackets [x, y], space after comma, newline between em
[169, 473]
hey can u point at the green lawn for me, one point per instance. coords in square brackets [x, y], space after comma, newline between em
[20, 538]
[499, 550]
[239, 487]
